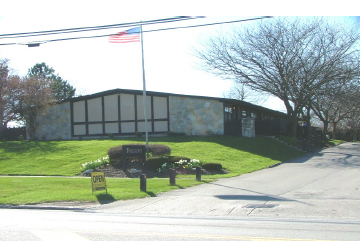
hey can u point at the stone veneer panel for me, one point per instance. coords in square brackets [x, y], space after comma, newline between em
[249, 127]
[55, 123]
[195, 116]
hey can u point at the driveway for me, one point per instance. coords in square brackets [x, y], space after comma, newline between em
[321, 185]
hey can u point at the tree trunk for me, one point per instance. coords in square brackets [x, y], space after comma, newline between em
[354, 135]
[308, 121]
[292, 119]
[325, 128]
[334, 124]
[31, 121]
[293, 126]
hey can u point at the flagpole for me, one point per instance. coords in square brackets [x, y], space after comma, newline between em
[144, 94]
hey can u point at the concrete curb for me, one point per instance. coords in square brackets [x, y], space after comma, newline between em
[41, 207]
[71, 206]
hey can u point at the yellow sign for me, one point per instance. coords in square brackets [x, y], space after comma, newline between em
[98, 181]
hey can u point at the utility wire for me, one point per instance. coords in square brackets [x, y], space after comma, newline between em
[137, 24]
[202, 25]
[95, 28]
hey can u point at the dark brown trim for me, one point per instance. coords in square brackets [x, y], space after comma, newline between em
[103, 114]
[72, 119]
[86, 118]
[136, 112]
[119, 117]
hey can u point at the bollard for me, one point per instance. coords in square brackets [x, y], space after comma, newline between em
[143, 182]
[172, 177]
[198, 173]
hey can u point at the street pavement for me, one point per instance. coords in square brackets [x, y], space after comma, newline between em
[321, 185]
[325, 184]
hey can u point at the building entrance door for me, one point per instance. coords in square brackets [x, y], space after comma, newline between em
[232, 123]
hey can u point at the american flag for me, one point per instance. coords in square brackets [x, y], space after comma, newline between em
[131, 35]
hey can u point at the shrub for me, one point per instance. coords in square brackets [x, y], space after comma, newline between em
[158, 150]
[115, 154]
[165, 168]
[212, 166]
[154, 163]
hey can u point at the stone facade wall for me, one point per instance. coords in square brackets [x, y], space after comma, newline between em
[248, 127]
[192, 116]
[55, 123]
[195, 116]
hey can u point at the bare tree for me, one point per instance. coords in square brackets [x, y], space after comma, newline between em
[290, 58]
[337, 101]
[351, 124]
[236, 92]
[347, 110]
[241, 92]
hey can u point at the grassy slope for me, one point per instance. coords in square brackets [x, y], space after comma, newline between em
[237, 154]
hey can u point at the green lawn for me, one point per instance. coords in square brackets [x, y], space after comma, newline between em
[333, 142]
[239, 155]
[31, 190]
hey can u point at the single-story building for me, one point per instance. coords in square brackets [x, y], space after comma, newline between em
[120, 112]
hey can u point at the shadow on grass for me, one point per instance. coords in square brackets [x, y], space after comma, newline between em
[262, 146]
[152, 194]
[26, 146]
[105, 198]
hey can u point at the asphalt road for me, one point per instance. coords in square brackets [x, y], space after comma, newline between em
[314, 197]
[320, 185]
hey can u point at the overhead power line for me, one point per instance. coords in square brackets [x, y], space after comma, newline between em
[37, 43]
[203, 25]
[94, 28]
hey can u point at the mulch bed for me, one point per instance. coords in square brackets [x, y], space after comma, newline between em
[115, 170]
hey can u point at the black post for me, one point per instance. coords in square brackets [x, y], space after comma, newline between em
[172, 177]
[143, 182]
[198, 173]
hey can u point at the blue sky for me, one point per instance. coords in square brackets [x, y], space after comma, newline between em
[94, 65]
